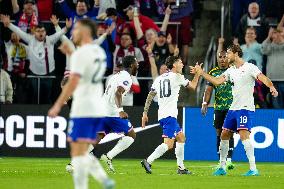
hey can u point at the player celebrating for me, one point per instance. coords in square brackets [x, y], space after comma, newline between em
[240, 115]
[167, 87]
[88, 64]
[223, 100]
[116, 120]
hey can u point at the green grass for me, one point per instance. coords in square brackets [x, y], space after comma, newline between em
[43, 173]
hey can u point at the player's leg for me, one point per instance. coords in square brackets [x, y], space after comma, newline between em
[244, 126]
[179, 151]
[229, 127]
[119, 125]
[169, 127]
[218, 124]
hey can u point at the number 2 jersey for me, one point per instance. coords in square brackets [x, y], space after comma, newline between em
[120, 79]
[89, 62]
[167, 87]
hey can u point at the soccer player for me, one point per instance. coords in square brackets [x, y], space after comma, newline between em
[167, 87]
[116, 120]
[222, 103]
[240, 115]
[88, 64]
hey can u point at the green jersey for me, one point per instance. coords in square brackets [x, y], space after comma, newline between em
[223, 92]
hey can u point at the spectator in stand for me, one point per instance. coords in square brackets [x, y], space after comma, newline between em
[252, 49]
[273, 47]
[105, 4]
[27, 20]
[81, 9]
[17, 66]
[124, 49]
[181, 12]
[6, 89]
[152, 8]
[41, 55]
[162, 48]
[146, 22]
[252, 19]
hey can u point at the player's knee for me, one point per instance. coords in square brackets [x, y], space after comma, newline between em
[132, 134]
[225, 135]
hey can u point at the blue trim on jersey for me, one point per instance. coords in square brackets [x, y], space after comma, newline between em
[116, 125]
[170, 127]
[238, 120]
[84, 129]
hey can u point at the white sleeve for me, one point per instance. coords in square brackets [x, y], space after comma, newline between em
[125, 82]
[182, 81]
[77, 63]
[254, 71]
[23, 35]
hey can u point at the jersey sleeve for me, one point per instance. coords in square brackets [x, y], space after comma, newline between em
[182, 81]
[125, 82]
[254, 71]
[154, 86]
[77, 63]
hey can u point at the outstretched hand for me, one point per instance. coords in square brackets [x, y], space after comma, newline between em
[54, 20]
[5, 19]
[144, 119]
[197, 69]
[69, 23]
[168, 10]
[273, 91]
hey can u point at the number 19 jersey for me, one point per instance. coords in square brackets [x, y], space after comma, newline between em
[167, 87]
[89, 62]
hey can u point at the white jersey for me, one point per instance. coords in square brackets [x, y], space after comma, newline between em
[167, 87]
[120, 79]
[88, 61]
[243, 79]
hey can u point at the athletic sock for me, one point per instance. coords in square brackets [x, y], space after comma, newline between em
[224, 148]
[96, 170]
[159, 151]
[179, 151]
[250, 153]
[231, 148]
[80, 173]
[218, 140]
[121, 145]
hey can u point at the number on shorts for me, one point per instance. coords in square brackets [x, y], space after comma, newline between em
[244, 119]
[165, 88]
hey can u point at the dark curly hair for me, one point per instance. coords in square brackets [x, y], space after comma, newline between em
[236, 49]
[171, 60]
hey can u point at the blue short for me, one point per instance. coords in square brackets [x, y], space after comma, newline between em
[116, 125]
[84, 129]
[238, 120]
[170, 127]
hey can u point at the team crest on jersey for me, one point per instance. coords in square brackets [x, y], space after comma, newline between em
[125, 83]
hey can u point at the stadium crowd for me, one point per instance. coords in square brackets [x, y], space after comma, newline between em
[31, 46]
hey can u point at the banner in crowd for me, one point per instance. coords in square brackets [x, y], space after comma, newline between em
[267, 136]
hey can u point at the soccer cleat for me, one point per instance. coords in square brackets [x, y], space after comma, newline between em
[251, 173]
[219, 172]
[147, 166]
[230, 166]
[69, 168]
[183, 171]
[108, 184]
[108, 162]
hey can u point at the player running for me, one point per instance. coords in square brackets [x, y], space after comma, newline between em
[167, 87]
[241, 113]
[222, 103]
[116, 120]
[88, 64]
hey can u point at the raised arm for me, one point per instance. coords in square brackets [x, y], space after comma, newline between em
[281, 23]
[55, 37]
[137, 25]
[7, 23]
[193, 84]
[154, 69]
[15, 6]
[261, 77]
[148, 102]
[166, 19]
[266, 44]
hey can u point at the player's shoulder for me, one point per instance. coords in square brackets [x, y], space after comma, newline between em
[124, 74]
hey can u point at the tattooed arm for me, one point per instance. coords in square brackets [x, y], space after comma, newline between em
[148, 102]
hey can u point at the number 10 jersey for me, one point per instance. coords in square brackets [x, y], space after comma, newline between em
[167, 87]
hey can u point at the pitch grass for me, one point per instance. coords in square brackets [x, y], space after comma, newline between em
[43, 173]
